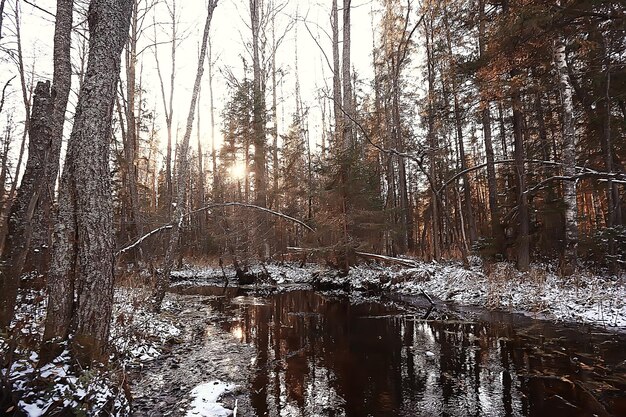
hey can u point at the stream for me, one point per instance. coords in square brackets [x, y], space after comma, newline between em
[328, 354]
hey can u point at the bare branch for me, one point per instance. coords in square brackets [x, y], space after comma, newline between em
[209, 207]
[142, 238]
[6, 85]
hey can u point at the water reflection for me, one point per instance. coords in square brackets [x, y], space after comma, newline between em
[323, 356]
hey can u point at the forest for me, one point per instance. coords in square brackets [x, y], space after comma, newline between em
[188, 185]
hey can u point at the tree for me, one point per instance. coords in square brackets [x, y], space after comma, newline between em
[569, 161]
[81, 275]
[183, 169]
[30, 215]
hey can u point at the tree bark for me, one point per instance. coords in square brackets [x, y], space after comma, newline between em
[348, 104]
[494, 210]
[432, 141]
[258, 110]
[569, 162]
[131, 144]
[39, 255]
[523, 238]
[81, 275]
[19, 223]
[334, 23]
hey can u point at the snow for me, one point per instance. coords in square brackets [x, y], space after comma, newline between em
[206, 400]
[586, 297]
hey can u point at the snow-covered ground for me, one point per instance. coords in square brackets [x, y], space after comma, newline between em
[541, 292]
[141, 341]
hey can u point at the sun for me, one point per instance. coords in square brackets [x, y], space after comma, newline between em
[237, 171]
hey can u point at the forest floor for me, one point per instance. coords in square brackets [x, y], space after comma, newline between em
[177, 362]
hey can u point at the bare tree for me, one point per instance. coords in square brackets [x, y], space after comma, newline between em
[29, 217]
[183, 169]
[168, 105]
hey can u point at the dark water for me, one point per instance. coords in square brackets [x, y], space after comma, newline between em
[322, 355]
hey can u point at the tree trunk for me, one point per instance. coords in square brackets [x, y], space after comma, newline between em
[523, 239]
[497, 232]
[337, 102]
[183, 170]
[131, 144]
[212, 111]
[432, 141]
[19, 223]
[39, 255]
[468, 211]
[348, 105]
[569, 162]
[81, 274]
[258, 114]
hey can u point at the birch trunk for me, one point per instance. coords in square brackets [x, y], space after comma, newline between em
[569, 162]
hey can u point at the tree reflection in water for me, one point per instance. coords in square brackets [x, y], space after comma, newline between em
[324, 356]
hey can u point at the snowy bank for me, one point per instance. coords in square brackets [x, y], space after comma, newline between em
[541, 292]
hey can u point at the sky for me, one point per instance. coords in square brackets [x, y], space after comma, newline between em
[230, 35]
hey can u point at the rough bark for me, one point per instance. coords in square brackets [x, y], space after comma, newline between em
[19, 223]
[183, 170]
[39, 255]
[569, 162]
[81, 274]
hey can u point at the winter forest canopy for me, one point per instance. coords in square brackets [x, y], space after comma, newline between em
[140, 135]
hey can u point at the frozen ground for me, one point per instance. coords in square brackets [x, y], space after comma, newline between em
[201, 368]
[541, 292]
[164, 360]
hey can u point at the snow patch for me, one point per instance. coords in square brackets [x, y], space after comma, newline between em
[206, 400]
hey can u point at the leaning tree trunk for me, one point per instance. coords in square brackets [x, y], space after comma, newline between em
[183, 170]
[569, 163]
[19, 222]
[81, 274]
